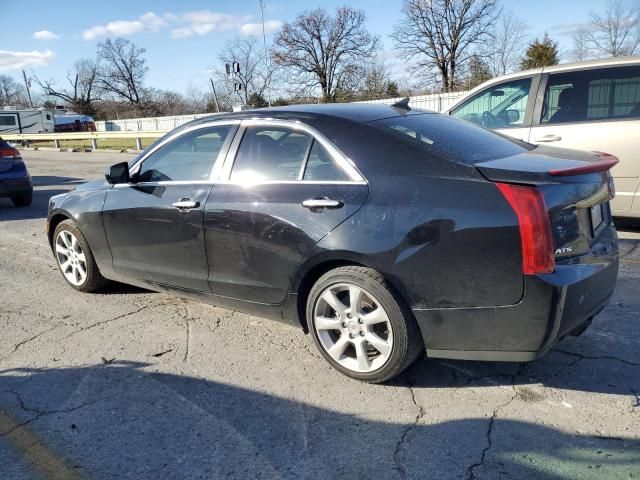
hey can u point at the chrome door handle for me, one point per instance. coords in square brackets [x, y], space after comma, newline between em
[321, 203]
[185, 204]
[549, 138]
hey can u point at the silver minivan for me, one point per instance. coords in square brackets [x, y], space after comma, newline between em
[593, 105]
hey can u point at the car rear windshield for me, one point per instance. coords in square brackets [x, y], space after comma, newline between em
[450, 138]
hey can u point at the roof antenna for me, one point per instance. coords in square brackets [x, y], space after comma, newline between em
[403, 104]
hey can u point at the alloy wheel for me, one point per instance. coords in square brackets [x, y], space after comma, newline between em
[71, 258]
[353, 327]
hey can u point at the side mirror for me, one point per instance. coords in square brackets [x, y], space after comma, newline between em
[118, 173]
[512, 116]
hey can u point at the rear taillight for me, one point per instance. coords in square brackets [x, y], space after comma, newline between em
[9, 152]
[535, 227]
[607, 161]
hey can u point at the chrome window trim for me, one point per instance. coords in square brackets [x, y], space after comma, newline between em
[217, 164]
[341, 160]
[264, 182]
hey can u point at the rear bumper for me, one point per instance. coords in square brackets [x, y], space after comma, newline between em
[553, 305]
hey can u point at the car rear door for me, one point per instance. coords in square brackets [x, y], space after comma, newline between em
[595, 110]
[154, 225]
[284, 187]
[505, 107]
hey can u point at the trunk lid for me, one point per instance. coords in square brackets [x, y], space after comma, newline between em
[576, 187]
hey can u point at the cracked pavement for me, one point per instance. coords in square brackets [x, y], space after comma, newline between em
[134, 384]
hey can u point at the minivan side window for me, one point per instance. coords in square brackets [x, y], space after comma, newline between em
[190, 157]
[499, 106]
[592, 95]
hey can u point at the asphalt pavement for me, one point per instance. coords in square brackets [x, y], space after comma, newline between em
[131, 384]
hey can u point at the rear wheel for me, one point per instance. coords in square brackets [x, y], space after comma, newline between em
[22, 199]
[361, 326]
[75, 259]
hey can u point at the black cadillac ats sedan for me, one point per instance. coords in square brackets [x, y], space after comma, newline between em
[384, 232]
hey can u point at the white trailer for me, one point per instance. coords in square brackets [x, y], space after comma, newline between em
[26, 121]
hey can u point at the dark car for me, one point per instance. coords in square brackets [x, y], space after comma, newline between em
[380, 230]
[15, 181]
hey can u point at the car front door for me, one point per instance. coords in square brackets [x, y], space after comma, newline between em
[504, 107]
[154, 224]
[596, 110]
[282, 189]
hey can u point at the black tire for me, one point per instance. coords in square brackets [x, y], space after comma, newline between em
[407, 342]
[94, 280]
[22, 199]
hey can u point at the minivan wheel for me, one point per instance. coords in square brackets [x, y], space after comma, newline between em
[75, 259]
[361, 326]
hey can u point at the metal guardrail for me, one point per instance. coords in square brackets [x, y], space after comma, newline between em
[92, 136]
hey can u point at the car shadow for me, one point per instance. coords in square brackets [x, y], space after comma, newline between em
[37, 209]
[125, 420]
[55, 180]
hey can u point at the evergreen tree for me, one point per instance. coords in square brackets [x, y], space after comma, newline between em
[541, 53]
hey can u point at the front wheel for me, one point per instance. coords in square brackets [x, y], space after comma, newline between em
[75, 259]
[361, 326]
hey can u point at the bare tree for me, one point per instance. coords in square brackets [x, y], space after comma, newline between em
[82, 91]
[12, 92]
[617, 31]
[580, 50]
[508, 44]
[255, 76]
[123, 70]
[441, 34]
[324, 50]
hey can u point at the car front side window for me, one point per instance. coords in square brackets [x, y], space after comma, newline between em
[190, 157]
[499, 106]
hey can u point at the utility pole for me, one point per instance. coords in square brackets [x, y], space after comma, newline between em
[266, 55]
[26, 84]
[215, 97]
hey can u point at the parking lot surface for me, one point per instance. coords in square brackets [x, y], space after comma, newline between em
[134, 384]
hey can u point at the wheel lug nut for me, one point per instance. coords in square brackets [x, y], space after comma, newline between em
[360, 321]
[351, 335]
[362, 333]
[344, 324]
[349, 315]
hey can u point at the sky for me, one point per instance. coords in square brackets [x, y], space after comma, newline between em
[183, 38]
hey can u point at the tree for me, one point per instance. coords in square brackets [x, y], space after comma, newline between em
[392, 90]
[11, 92]
[479, 72]
[82, 91]
[257, 100]
[508, 44]
[617, 31]
[441, 34]
[123, 70]
[376, 80]
[326, 51]
[541, 53]
[255, 74]
[580, 50]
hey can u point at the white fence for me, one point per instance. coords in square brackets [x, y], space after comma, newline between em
[147, 124]
[436, 102]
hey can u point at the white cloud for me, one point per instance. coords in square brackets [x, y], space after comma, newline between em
[149, 22]
[203, 22]
[13, 60]
[45, 35]
[254, 29]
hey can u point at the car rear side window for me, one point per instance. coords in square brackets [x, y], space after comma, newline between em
[450, 138]
[190, 157]
[270, 153]
[592, 95]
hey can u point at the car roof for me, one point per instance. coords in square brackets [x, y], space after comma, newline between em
[356, 112]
